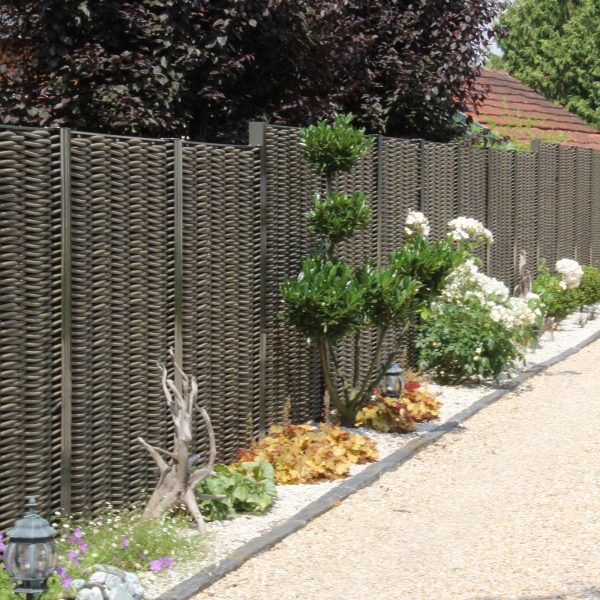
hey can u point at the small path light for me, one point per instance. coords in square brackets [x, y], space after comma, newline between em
[30, 556]
[392, 383]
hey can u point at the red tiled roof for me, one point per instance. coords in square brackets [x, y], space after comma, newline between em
[511, 108]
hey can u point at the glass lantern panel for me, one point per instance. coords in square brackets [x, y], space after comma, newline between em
[26, 561]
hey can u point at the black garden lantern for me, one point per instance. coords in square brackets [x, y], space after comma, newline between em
[30, 556]
[392, 383]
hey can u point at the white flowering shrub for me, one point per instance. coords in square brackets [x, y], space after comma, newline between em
[465, 229]
[476, 330]
[570, 272]
[416, 224]
[560, 293]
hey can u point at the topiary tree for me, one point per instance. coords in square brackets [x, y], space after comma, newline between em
[329, 300]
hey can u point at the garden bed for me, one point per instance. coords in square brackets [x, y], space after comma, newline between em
[226, 537]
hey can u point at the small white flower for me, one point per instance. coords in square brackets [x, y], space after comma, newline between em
[416, 224]
[465, 229]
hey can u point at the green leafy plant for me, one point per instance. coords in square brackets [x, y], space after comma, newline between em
[305, 454]
[590, 285]
[475, 330]
[399, 415]
[125, 539]
[463, 342]
[329, 300]
[560, 302]
[248, 487]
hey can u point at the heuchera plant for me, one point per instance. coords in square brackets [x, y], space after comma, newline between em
[330, 300]
[399, 415]
[305, 454]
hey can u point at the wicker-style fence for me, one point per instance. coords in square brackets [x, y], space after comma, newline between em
[116, 248]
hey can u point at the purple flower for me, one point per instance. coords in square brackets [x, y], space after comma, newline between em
[66, 582]
[125, 542]
[61, 571]
[2, 547]
[83, 547]
[166, 562]
[77, 533]
[71, 554]
[156, 565]
[143, 556]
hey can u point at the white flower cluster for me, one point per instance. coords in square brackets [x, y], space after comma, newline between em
[467, 283]
[570, 273]
[416, 224]
[464, 229]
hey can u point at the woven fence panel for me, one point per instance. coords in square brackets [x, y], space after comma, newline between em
[221, 288]
[526, 208]
[292, 367]
[400, 194]
[30, 308]
[122, 245]
[472, 187]
[501, 215]
[547, 159]
[567, 202]
[595, 209]
[439, 185]
[400, 189]
[583, 205]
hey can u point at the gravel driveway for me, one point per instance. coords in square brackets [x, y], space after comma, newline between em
[508, 506]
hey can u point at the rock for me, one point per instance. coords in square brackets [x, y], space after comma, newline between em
[77, 584]
[93, 593]
[115, 584]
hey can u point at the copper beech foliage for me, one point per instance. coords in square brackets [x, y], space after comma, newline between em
[204, 68]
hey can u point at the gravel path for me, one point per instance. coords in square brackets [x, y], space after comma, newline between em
[508, 506]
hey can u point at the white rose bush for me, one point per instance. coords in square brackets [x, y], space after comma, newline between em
[475, 330]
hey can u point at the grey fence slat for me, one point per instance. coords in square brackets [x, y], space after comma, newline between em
[439, 185]
[595, 208]
[472, 180]
[526, 221]
[291, 366]
[501, 215]
[566, 202]
[583, 205]
[547, 159]
[30, 309]
[122, 280]
[221, 288]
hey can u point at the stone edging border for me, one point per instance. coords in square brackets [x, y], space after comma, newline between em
[196, 583]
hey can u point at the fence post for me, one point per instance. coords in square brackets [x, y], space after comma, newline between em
[380, 200]
[178, 300]
[66, 322]
[422, 175]
[257, 137]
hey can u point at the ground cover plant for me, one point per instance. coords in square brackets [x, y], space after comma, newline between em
[247, 488]
[331, 300]
[399, 415]
[125, 539]
[307, 453]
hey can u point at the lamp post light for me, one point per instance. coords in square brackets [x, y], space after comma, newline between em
[392, 383]
[30, 556]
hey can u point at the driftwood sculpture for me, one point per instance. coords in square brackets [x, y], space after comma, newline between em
[525, 280]
[177, 481]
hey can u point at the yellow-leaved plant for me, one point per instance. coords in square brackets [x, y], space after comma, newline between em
[306, 454]
[399, 415]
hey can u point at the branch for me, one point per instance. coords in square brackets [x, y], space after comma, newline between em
[339, 370]
[163, 467]
[366, 381]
